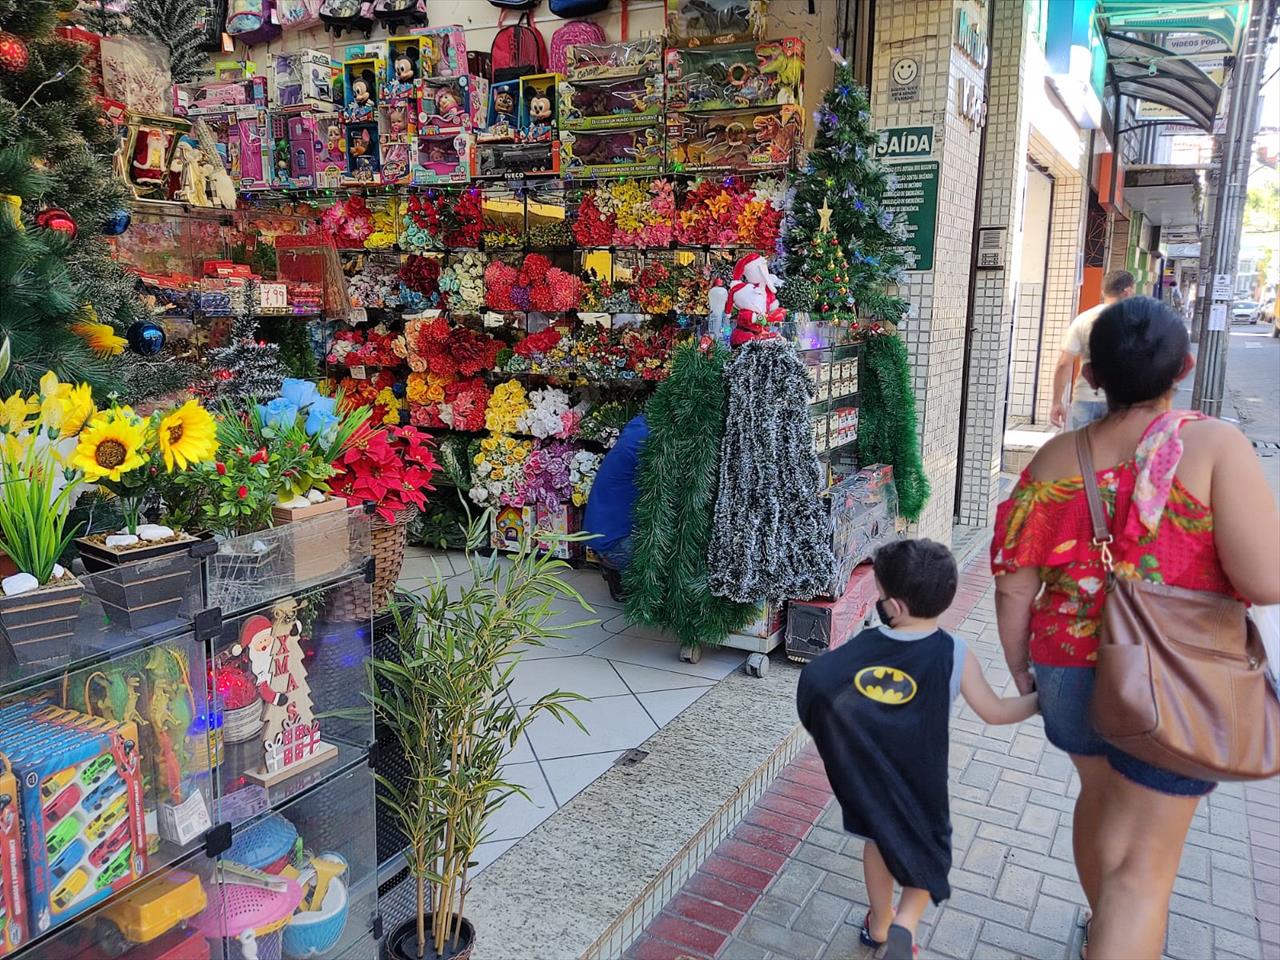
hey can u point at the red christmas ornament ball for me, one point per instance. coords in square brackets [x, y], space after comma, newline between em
[14, 55]
[55, 218]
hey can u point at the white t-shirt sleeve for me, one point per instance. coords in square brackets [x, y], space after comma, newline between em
[1077, 339]
[960, 648]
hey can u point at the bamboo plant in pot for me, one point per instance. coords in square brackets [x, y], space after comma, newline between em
[444, 696]
[39, 603]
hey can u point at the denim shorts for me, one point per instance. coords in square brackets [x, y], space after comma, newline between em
[1085, 412]
[1065, 694]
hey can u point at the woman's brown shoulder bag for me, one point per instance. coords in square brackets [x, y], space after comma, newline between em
[1182, 680]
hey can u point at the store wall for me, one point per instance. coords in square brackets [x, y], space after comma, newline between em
[1037, 213]
[935, 330]
[646, 18]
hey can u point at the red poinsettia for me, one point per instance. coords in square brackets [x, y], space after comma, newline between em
[390, 467]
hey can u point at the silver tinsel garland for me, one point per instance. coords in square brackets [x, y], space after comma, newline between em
[771, 533]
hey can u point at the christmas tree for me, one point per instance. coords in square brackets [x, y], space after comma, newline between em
[842, 175]
[247, 369]
[181, 25]
[826, 290]
[64, 301]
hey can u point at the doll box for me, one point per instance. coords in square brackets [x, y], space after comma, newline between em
[628, 152]
[502, 114]
[610, 102]
[508, 524]
[249, 146]
[447, 53]
[148, 154]
[13, 901]
[592, 61]
[695, 22]
[198, 99]
[443, 158]
[539, 113]
[395, 160]
[364, 155]
[302, 159]
[447, 104]
[303, 77]
[735, 140]
[736, 76]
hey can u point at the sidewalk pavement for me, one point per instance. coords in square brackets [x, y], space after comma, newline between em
[787, 883]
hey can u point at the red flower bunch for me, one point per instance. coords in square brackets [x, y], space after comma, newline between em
[728, 212]
[448, 351]
[356, 348]
[349, 222]
[421, 274]
[467, 220]
[556, 291]
[539, 342]
[592, 228]
[654, 289]
[500, 280]
[425, 415]
[466, 401]
[426, 211]
[389, 467]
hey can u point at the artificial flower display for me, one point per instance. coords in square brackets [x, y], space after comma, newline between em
[187, 435]
[546, 477]
[376, 283]
[462, 282]
[550, 414]
[447, 350]
[627, 213]
[534, 285]
[465, 405]
[111, 445]
[732, 212]
[506, 405]
[420, 283]
[582, 474]
[349, 222]
[389, 467]
[424, 218]
[498, 470]
[373, 347]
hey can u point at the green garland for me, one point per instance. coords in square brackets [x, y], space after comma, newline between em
[666, 583]
[887, 431]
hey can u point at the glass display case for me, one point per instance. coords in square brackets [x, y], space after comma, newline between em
[184, 752]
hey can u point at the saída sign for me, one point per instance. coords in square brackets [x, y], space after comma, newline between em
[902, 143]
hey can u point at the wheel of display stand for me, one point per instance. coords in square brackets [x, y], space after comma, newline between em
[757, 664]
[690, 653]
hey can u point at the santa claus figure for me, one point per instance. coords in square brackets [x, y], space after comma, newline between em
[258, 641]
[753, 294]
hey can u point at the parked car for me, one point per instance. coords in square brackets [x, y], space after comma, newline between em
[1242, 311]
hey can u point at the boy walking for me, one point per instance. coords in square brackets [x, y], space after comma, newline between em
[879, 710]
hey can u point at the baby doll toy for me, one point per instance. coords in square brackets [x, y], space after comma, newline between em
[753, 294]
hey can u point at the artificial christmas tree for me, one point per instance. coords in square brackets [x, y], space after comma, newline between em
[55, 168]
[247, 369]
[842, 186]
[182, 26]
[826, 290]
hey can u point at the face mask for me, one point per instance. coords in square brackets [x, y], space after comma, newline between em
[883, 613]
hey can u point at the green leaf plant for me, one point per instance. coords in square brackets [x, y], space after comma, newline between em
[444, 696]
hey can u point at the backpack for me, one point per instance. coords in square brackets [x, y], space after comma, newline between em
[573, 32]
[572, 9]
[355, 16]
[518, 50]
[401, 14]
[298, 14]
[513, 5]
[251, 22]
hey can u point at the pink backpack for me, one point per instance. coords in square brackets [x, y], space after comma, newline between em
[573, 32]
[297, 14]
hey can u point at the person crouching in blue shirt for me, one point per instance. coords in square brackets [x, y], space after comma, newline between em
[611, 502]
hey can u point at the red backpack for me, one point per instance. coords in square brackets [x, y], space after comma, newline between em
[518, 50]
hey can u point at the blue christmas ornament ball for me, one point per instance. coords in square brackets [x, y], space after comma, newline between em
[397, 390]
[145, 337]
[117, 223]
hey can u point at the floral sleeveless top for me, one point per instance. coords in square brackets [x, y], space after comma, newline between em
[1162, 534]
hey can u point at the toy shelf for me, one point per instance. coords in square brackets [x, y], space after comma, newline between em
[184, 753]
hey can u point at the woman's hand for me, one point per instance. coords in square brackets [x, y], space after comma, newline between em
[1014, 595]
[1023, 679]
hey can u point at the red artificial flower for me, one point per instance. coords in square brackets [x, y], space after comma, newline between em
[221, 468]
[242, 492]
[259, 456]
[388, 467]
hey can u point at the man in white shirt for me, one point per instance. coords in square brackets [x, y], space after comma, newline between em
[1087, 403]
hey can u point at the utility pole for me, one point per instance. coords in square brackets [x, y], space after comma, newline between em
[1234, 152]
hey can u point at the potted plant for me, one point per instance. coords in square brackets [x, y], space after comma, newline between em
[390, 469]
[445, 696]
[169, 441]
[39, 603]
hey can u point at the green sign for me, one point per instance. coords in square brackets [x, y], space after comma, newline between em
[901, 143]
[914, 202]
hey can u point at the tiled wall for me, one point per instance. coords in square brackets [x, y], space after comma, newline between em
[935, 333]
[1003, 180]
[1026, 346]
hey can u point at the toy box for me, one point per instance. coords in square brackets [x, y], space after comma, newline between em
[510, 523]
[81, 803]
[307, 150]
[362, 88]
[396, 160]
[503, 113]
[148, 150]
[515, 161]
[230, 68]
[443, 158]
[736, 76]
[695, 22]
[610, 102]
[13, 900]
[197, 99]
[734, 140]
[92, 59]
[304, 77]
[864, 514]
[407, 62]
[249, 147]
[538, 114]
[451, 103]
[591, 61]
[364, 156]
[628, 152]
[816, 626]
[445, 51]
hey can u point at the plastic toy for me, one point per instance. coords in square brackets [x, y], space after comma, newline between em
[734, 140]
[144, 915]
[406, 65]
[443, 158]
[250, 144]
[516, 160]
[13, 900]
[250, 912]
[694, 22]
[504, 112]
[102, 794]
[67, 859]
[110, 846]
[737, 76]
[61, 805]
[303, 77]
[610, 102]
[362, 88]
[539, 117]
[317, 925]
[450, 103]
[199, 99]
[363, 157]
[395, 162]
[634, 151]
[590, 61]
[444, 52]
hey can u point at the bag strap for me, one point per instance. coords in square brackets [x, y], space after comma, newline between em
[1102, 537]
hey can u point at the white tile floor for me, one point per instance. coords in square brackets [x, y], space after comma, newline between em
[634, 678]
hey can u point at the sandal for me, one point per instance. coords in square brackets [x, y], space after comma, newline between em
[864, 935]
[901, 945]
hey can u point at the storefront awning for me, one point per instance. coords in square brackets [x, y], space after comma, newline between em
[1146, 71]
[1224, 20]
[1168, 196]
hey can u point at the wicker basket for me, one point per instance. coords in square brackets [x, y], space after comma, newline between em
[354, 602]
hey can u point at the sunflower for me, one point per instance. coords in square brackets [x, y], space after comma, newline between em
[110, 445]
[101, 337]
[187, 435]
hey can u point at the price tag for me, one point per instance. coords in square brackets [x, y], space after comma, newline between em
[273, 296]
[358, 373]
[181, 823]
[357, 315]
[492, 319]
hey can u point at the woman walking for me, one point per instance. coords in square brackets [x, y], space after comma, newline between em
[1188, 506]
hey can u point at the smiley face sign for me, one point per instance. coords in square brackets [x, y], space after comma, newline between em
[885, 685]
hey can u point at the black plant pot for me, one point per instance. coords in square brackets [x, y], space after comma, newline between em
[402, 944]
[143, 587]
[39, 624]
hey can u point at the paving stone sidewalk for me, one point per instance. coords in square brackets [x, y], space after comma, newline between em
[788, 883]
